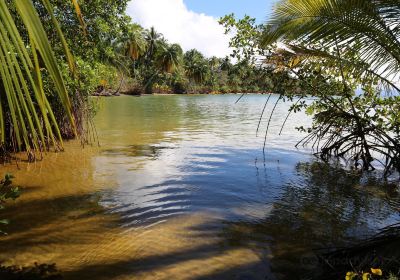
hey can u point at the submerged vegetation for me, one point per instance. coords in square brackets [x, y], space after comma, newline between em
[35, 272]
[55, 54]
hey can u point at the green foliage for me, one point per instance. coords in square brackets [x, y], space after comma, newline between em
[134, 42]
[7, 192]
[104, 21]
[196, 66]
[93, 76]
[333, 48]
[246, 36]
[342, 53]
[371, 26]
[27, 120]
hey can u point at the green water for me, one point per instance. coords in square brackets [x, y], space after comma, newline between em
[180, 189]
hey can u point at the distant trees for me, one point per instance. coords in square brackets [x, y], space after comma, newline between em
[156, 62]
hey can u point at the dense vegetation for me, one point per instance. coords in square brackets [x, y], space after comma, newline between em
[66, 52]
[115, 54]
[350, 65]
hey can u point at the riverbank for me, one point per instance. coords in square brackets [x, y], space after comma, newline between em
[135, 90]
[110, 93]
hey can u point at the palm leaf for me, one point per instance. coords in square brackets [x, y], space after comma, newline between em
[70, 58]
[22, 98]
[80, 16]
[293, 55]
[374, 23]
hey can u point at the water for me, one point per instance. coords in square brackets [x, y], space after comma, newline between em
[180, 189]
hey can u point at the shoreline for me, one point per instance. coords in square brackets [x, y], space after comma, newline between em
[109, 94]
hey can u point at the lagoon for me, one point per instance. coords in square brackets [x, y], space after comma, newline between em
[179, 188]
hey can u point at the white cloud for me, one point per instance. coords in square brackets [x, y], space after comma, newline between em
[180, 25]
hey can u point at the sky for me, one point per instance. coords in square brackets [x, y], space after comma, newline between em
[258, 9]
[194, 23]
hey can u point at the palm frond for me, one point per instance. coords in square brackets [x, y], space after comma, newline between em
[293, 55]
[373, 23]
[80, 16]
[26, 117]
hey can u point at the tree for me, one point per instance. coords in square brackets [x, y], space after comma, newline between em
[153, 38]
[344, 53]
[135, 45]
[104, 22]
[169, 57]
[196, 66]
[371, 26]
[333, 48]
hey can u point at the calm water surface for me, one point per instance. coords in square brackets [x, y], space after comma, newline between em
[180, 189]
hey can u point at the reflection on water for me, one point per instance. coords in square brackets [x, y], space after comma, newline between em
[179, 189]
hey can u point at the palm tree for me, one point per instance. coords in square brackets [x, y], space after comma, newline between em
[226, 65]
[196, 66]
[169, 57]
[371, 26]
[136, 44]
[27, 120]
[152, 37]
[214, 63]
[197, 71]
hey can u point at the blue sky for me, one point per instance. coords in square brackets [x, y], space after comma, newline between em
[258, 9]
[194, 23]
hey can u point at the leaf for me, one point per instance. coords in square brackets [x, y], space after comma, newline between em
[70, 58]
[371, 27]
[351, 275]
[80, 16]
[376, 271]
[23, 98]
[366, 276]
[4, 222]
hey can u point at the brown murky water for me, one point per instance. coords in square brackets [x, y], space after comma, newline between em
[180, 189]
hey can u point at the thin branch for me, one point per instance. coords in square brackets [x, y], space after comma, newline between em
[262, 114]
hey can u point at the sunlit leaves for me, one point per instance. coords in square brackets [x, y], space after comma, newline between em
[376, 271]
[351, 275]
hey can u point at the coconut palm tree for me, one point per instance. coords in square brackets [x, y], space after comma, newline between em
[152, 37]
[226, 65]
[169, 57]
[215, 64]
[196, 66]
[197, 71]
[371, 26]
[27, 120]
[136, 44]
